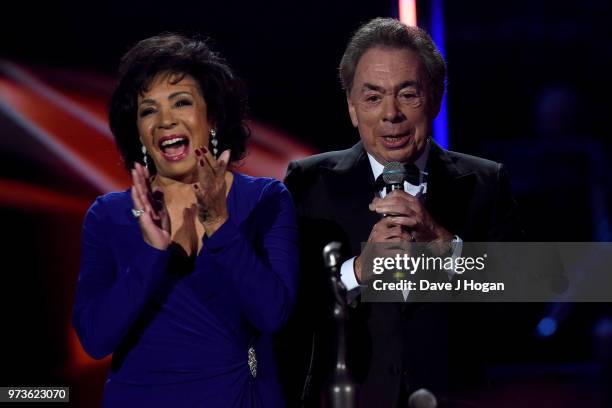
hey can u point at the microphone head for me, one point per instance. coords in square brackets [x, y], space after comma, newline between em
[332, 254]
[422, 398]
[394, 173]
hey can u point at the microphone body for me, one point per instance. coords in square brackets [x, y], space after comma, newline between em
[394, 175]
[390, 187]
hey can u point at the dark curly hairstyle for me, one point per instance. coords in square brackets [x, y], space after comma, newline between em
[171, 53]
[391, 33]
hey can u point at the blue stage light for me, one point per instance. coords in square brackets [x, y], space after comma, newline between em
[547, 327]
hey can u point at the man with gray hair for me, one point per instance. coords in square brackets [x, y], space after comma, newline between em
[394, 78]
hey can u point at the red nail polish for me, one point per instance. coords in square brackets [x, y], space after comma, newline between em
[205, 149]
[197, 152]
[202, 163]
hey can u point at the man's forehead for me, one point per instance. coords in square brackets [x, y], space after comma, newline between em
[388, 67]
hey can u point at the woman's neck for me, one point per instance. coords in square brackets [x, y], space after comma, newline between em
[181, 193]
[175, 191]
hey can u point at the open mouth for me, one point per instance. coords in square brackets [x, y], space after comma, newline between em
[396, 141]
[174, 147]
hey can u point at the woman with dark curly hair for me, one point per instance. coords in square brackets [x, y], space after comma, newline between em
[185, 276]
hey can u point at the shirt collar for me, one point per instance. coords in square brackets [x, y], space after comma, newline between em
[421, 163]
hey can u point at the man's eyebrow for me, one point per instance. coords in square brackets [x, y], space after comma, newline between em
[405, 84]
[372, 87]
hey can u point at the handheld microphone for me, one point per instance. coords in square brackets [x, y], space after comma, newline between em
[394, 175]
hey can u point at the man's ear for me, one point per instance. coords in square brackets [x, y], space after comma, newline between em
[352, 111]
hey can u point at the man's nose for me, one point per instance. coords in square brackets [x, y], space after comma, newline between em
[391, 110]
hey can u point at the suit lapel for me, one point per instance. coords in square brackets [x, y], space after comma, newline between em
[350, 184]
[448, 191]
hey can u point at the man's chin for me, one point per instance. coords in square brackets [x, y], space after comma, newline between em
[403, 156]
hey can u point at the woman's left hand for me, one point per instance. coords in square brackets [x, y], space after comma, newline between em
[210, 190]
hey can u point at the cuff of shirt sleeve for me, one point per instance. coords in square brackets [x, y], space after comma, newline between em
[347, 274]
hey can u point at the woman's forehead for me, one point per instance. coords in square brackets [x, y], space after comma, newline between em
[169, 83]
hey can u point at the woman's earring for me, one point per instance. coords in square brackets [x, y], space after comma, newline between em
[144, 156]
[214, 142]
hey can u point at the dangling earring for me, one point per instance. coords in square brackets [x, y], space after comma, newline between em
[214, 142]
[144, 156]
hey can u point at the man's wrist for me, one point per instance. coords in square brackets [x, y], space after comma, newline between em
[444, 236]
[442, 245]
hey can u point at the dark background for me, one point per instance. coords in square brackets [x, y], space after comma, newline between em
[501, 55]
[528, 85]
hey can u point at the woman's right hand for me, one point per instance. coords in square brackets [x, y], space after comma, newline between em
[155, 221]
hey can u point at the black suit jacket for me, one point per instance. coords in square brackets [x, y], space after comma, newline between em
[394, 348]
